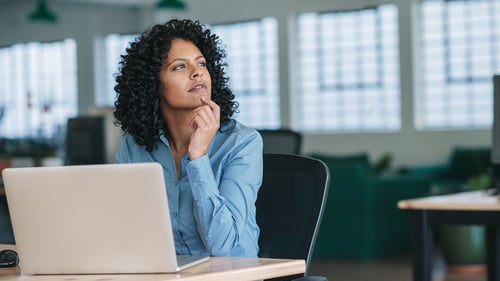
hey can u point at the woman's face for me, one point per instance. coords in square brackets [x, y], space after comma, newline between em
[185, 77]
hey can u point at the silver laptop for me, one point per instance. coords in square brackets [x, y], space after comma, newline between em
[92, 219]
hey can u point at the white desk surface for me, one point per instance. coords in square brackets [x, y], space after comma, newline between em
[467, 201]
[216, 269]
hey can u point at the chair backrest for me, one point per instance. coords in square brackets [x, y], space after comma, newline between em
[281, 141]
[290, 206]
[85, 140]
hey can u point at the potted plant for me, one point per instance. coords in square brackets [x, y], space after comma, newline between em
[464, 246]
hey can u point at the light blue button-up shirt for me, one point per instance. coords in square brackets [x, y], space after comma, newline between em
[212, 206]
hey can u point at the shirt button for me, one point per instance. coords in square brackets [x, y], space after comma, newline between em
[174, 215]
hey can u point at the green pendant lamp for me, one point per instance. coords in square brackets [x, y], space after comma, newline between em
[171, 4]
[42, 13]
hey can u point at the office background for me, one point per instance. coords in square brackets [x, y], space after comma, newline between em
[86, 20]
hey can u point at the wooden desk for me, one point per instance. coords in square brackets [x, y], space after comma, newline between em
[216, 269]
[462, 208]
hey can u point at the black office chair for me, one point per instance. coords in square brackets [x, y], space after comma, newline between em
[284, 141]
[85, 140]
[290, 207]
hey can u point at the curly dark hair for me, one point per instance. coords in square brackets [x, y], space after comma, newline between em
[138, 85]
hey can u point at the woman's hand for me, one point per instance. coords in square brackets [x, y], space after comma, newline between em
[205, 123]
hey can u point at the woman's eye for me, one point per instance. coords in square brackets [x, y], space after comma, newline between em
[202, 63]
[179, 67]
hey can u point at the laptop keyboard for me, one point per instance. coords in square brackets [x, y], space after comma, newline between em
[186, 259]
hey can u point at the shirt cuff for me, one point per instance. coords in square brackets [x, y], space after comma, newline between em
[201, 177]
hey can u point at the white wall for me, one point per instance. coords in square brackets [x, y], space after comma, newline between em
[85, 22]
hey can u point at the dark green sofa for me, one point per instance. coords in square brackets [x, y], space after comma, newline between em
[361, 219]
[453, 175]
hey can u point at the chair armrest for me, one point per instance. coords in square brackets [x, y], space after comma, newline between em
[311, 278]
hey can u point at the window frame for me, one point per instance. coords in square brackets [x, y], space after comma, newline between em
[342, 123]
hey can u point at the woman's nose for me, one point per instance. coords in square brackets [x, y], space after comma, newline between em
[196, 73]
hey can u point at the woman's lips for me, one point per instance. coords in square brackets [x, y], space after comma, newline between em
[197, 87]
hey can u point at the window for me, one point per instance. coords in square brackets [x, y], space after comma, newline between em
[348, 71]
[252, 57]
[460, 52]
[114, 46]
[38, 89]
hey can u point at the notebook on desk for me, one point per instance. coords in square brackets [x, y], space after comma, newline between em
[110, 218]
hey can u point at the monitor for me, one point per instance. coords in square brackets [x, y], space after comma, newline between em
[495, 145]
[85, 140]
[113, 131]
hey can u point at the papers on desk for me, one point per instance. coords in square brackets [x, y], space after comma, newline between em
[473, 200]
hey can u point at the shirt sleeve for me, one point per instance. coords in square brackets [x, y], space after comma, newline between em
[121, 152]
[225, 212]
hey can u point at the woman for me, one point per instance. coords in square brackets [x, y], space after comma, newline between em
[175, 107]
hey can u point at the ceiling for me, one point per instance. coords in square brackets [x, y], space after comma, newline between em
[115, 2]
[105, 2]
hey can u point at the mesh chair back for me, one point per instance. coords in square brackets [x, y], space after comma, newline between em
[290, 206]
[281, 141]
